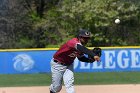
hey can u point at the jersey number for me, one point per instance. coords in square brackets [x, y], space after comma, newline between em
[74, 54]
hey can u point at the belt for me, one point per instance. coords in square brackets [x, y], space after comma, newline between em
[60, 63]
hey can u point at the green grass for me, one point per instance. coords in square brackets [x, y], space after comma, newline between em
[108, 78]
[11, 80]
[24, 80]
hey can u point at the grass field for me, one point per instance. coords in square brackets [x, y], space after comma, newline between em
[100, 78]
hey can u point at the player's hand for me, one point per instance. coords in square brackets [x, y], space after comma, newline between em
[97, 58]
[97, 51]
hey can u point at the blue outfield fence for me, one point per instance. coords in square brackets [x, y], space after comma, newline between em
[38, 61]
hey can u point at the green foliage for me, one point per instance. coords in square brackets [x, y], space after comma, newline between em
[24, 43]
[98, 16]
[34, 17]
[61, 20]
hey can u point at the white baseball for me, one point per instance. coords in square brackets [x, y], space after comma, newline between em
[117, 21]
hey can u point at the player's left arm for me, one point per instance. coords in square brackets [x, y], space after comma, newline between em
[85, 59]
[90, 53]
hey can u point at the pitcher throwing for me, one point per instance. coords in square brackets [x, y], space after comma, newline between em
[62, 61]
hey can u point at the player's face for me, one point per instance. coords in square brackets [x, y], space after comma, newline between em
[84, 40]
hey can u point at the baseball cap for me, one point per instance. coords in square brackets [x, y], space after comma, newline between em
[84, 33]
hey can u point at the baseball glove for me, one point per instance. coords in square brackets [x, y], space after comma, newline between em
[97, 51]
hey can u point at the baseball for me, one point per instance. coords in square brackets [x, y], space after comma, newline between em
[117, 21]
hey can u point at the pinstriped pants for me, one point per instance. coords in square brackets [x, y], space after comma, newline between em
[62, 73]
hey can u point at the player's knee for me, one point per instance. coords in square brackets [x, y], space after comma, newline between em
[58, 88]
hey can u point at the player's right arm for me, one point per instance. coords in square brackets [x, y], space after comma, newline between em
[87, 51]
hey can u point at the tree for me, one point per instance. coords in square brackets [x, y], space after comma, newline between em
[40, 23]
[98, 16]
[9, 13]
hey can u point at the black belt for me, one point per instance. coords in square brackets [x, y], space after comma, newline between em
[60, 63]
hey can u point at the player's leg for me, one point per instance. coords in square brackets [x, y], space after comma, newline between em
[57, 76]
[68, 78]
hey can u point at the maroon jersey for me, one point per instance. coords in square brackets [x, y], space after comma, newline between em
[68, 52]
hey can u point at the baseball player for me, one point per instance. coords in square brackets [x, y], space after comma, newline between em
[62, 61]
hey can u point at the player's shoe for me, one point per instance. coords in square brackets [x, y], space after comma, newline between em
[51, 92]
